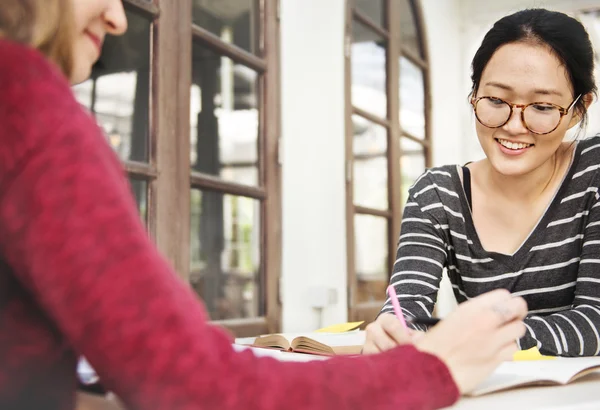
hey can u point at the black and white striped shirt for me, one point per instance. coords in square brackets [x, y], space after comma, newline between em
[556, 269]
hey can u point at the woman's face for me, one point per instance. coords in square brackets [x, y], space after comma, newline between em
[94, 19]
[523, 73]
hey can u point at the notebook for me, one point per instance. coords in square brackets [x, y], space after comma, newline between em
[326, 344]
[535, 373]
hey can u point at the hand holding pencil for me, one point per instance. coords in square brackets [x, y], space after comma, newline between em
[472, 341]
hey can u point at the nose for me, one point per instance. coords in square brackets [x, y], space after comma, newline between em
[114, 18]
[515, 123]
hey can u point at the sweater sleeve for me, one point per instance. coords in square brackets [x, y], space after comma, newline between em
[71, 234]
[574, 332]
[420, 260]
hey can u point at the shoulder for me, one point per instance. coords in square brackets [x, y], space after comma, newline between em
[433, 181]
[30, 83]
[36, 97]
[22, 65]
[588, 150]
[587, 160]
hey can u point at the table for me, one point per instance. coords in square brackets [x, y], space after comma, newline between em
[583, 394]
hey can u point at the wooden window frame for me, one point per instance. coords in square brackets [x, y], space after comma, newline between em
[168, 173]
[391, 32]
[268, 191]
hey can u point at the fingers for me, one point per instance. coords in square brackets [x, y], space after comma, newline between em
[394, 329]
[511, 309]
[507, 353]
[381, 339]
[384, 334]
[509, 333]
[502, 305]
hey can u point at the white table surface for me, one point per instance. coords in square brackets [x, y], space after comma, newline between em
[582, 394]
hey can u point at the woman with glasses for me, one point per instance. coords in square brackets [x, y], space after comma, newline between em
[526, 217]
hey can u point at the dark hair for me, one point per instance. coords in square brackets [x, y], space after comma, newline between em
[564, 35]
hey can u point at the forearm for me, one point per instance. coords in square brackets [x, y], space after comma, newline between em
[570, 333]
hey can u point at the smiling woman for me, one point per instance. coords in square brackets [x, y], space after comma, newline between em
[527, 217]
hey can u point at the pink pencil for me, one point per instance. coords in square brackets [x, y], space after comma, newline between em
[396, 304]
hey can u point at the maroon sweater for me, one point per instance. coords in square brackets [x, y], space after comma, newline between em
[79, 275]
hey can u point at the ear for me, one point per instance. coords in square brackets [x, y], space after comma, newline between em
[578, 114]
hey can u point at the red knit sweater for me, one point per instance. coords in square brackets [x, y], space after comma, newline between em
[78, 275]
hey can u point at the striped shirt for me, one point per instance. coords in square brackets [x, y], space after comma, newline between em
[556, 269]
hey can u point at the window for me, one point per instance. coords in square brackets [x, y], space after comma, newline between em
[234, 252]
[188, 99]
[387, 138]
[118, 96]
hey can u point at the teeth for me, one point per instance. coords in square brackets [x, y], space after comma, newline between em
[513, 145]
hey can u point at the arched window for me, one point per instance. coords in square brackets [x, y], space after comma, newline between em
[388, 138]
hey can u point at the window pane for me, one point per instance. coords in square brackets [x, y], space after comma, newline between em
[412, 98]
[370, 164]
[371, 257]
[225, 265]
[412, 164]
[373, 9]
[224, 118]
[140, 192]
[234, 21]
[118, 93]
[408, 27]
[368, 70]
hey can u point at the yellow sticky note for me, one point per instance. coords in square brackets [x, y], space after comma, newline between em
[340, 327]
[530, 354]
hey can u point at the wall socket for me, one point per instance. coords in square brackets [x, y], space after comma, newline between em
[320, 297]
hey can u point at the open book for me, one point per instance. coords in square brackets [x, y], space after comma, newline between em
[327, 344]
[530, 373]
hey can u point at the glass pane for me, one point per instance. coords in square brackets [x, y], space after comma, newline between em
[412, 164]
[139, 188]
[408, 27]
[234, 21]
[412, 98]
[224, 118]
[370, 164]
[118, 93]
[225, 254]
[371, 257]
[368, 71]
[373, 9]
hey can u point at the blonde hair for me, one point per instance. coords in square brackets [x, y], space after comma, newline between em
[42, 24]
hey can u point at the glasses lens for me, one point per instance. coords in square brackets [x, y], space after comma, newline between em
[492, 112]
[541, 118]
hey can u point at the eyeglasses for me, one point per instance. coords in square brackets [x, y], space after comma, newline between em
[538, 117]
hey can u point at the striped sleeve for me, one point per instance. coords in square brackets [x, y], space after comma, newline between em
[420, 260]
[574, 332]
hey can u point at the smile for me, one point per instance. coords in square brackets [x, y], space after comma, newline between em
[95, 39]
[515, 146]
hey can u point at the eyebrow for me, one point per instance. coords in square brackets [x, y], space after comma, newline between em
[541, 91]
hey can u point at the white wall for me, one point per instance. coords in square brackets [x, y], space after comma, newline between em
[449, 99]
[314, 220]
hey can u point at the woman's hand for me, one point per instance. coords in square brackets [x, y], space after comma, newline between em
[385, 333]
[479, 335]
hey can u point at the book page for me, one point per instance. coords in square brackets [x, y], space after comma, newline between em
[513, 374]
[355, 338]
[280, 355]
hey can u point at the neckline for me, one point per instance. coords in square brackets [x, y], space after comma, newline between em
[513, 260]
